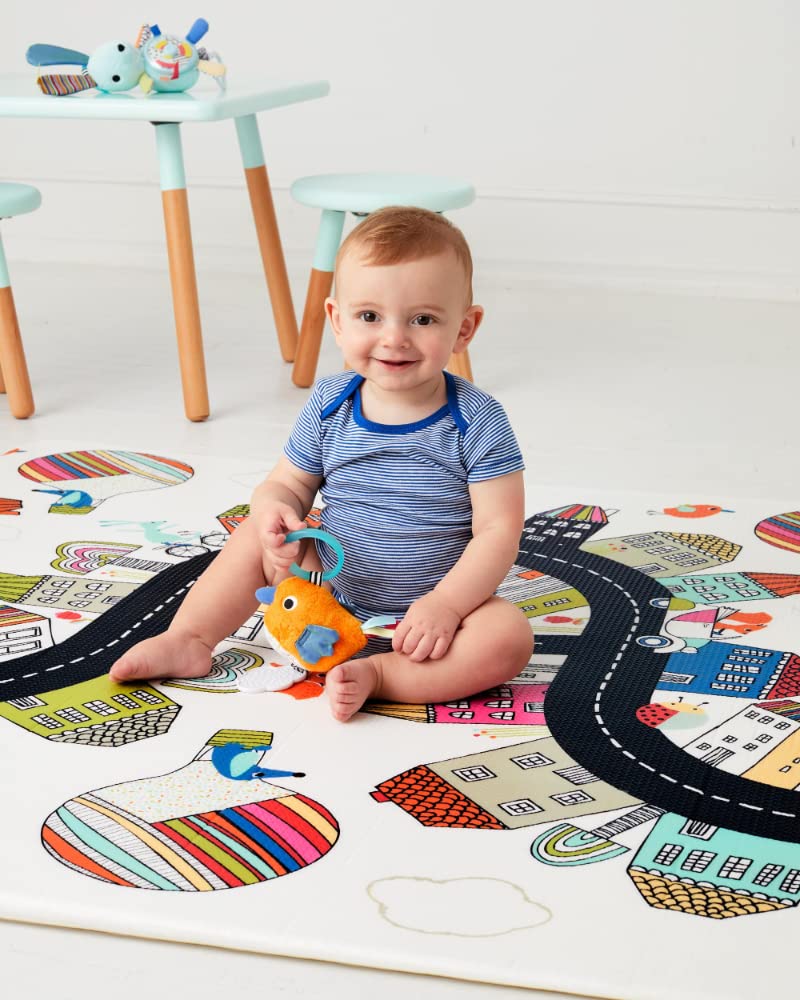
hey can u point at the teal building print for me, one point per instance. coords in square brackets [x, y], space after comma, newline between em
[697, 868]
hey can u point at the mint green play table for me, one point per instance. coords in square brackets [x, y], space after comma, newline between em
[243, 99]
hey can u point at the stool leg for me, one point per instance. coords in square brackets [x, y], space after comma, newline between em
[269, 240]
[12, 355]
[319, 287]
[181, 271]
[459, 364]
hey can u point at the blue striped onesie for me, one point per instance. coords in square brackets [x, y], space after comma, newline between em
[397, 495]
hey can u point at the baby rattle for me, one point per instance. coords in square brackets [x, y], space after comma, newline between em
[306, 623]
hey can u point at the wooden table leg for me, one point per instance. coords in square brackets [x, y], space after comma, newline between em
[181, 271]
[269, 240]
[14, 377]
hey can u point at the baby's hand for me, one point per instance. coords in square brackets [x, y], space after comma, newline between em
[275, 521]
[427, 629]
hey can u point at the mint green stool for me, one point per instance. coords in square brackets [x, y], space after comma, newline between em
[15, 199]
[338, 194]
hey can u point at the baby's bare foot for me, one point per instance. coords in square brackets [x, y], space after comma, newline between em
[349, 685]
[165, 655]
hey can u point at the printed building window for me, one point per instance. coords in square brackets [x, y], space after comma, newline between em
[531, 760]
[782, 725]
[751, 714]
[100, 708]
[750, 746]
[792, 881]
[734, 868]
[764, 738]
[462, 715]
[668, 854]
[520, 807]
[696, 828]
[457, 704]
[730, 739]
[498, 703]
[476, 773]
[72, 715]
[125, 701]
[703, 746]
[571, 798]
[148, 697]
[47, 722]
[787, 769]
[29, 701]
[577, 775]
[767, 874]
[505, 716]
[698, 861]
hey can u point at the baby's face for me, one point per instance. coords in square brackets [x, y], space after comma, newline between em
[398, 324]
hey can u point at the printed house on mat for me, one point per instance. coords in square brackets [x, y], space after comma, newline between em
[96, 712]
[721, 588]
[665, 553]
[503, 789]
[22, 632]
[761, 742]
[62, 592]
[700, 869]
[733, 671]
[571, 525]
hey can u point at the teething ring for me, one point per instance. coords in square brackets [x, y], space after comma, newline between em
[329, 540]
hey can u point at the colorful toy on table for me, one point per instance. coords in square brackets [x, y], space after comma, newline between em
[306, 623]
[155, 61]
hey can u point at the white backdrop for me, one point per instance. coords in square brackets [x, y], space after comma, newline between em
[620, 141]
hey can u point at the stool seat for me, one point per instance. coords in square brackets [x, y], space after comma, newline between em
[17, 199]
[365, 193]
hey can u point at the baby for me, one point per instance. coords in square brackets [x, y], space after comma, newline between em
[421, 479]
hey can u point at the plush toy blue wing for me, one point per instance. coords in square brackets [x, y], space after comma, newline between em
[55, 55]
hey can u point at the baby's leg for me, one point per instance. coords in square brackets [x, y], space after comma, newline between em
[493, 644]
[221, 599]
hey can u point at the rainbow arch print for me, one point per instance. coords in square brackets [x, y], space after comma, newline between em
[82, 480]
[192, 830]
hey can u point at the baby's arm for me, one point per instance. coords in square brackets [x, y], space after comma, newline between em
[498, 516]
[223, 596]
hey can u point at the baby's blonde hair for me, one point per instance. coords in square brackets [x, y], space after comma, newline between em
[398, 234]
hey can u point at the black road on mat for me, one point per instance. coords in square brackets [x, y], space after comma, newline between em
[91, 651]
[591, 704]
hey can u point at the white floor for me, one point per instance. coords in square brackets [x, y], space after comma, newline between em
[690, 397]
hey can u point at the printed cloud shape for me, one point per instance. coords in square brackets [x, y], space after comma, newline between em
[463, 907]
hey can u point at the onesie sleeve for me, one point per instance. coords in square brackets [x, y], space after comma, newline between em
[304, 446]
[490, 446]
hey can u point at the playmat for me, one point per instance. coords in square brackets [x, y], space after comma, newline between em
[621, 820]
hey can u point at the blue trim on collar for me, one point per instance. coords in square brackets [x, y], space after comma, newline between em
[452, 402]
[417, 425]
[348, 391]
[355, 383]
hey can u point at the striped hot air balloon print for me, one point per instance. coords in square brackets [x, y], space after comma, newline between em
[81, 480]
[781, 530]
[193, 830]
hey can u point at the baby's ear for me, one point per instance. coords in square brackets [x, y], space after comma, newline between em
[469, 326]
[332, 312]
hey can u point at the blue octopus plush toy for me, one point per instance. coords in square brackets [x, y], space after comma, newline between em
[155, 62]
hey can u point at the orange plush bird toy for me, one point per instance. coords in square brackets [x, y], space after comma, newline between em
[305, 622]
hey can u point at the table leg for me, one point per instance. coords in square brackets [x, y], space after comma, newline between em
[269, 239]
[181, 271]
[14, 378]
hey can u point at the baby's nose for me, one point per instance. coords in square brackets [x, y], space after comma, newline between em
[395, 332]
